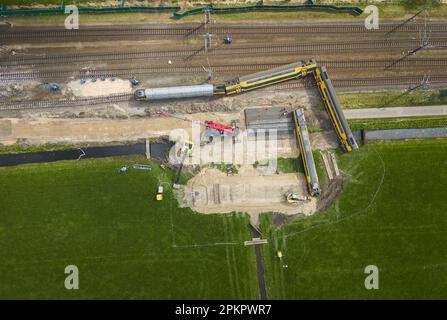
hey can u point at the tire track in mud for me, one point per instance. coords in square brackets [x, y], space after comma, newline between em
[227, 255]
[259, 265]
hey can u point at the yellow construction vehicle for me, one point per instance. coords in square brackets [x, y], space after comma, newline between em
[296, 198]
[159, 195]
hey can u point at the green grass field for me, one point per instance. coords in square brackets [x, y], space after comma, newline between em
[125, 244]
[392, 214]
[391, 99]
[289, 165]
[398, 123]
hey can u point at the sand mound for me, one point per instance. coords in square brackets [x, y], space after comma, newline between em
[98, 88]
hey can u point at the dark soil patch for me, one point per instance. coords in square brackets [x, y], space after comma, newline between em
[334, 188]
[279, 219]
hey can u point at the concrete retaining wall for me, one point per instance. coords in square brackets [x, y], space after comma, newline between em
[400, 134]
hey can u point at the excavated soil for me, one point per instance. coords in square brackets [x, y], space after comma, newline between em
[279, 220]
[98, 88]
[330, 193]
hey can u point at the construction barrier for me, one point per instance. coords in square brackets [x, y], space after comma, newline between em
[5, 12]
[299, 7]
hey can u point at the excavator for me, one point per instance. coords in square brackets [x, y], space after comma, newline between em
[296, 198]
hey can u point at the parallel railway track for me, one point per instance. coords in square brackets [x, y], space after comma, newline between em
[185, 53]
[188, 52]
[388, 82]
[307, 82]
[93, 33]
[65, 102]
[412, 63]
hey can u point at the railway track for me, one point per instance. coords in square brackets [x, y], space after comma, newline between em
[388, 82]
[259, 37]
[198, 36]
[93, 33]
[413, 63]
[303, 83]
[188, 52]
[42, 104]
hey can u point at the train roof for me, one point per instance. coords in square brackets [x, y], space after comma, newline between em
[270, 71]
[299, 112]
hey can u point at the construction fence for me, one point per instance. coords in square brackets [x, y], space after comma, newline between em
[273, 8]
[5, 12]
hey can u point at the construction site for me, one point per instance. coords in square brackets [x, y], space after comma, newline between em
[252, 110]
[45, 84]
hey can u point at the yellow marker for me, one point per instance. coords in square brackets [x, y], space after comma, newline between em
[159, 195]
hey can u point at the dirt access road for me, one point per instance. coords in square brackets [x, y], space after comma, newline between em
[70, 131]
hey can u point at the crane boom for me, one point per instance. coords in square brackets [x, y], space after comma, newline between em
[218, 126]
[167, 114]
[207, 123]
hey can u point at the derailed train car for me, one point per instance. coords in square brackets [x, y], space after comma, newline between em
[266, 78]
[334, 110]
[306, 153]
[180, 92]
[262, 79]
[243, 84]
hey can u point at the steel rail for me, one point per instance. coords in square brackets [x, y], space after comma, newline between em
[417, 63]
[188, 52]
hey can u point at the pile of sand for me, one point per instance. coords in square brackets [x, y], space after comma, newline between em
[98, 88]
